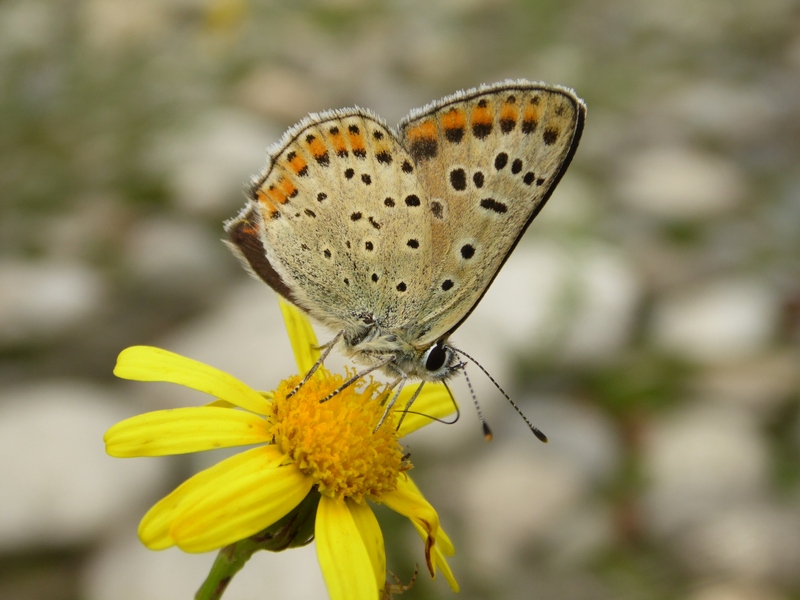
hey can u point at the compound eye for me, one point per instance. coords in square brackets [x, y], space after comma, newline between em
[437, 356]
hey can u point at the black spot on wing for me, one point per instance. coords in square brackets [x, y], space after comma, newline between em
[424, 149]
[494, 206]
[550, 136]
[458, 179]
[454, 135]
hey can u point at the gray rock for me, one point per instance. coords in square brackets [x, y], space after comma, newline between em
[680, 183]
[60, 487]
[44, 299]
[700, 460]
[123, 569]
[717, 321]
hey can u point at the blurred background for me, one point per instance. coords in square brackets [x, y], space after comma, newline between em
[648, 322]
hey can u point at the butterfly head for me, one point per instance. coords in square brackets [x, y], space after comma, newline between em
[438, 362]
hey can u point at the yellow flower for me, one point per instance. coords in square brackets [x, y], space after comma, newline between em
[303, 447]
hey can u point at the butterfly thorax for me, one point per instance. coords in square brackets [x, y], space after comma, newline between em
[372, 344]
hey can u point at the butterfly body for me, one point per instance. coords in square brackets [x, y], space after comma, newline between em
[393, 238]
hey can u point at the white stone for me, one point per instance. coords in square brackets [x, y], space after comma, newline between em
[754, 542]
[123, 569]
[579, 536]
[731, 112]
[27, 25]
[680, 183]
[112, 25]
[508, 498]
[573, 205]
[717, 321]
[574, 302]
[59, 486]
[579, 433]
[209, 166]
[762, 384]
[737, 590]
[699, 460]
[283, 92]
[175, 254]
[40, 300]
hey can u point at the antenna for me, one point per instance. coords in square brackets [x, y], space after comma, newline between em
[439, 419]
[535, 430]
[487, 433]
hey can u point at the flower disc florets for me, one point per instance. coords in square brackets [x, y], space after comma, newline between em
[335, 442]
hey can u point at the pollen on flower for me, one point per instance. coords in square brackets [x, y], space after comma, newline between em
[335, 442]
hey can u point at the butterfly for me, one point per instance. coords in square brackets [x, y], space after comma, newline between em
[391, 238]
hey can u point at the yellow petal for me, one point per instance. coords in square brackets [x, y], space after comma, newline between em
[438, 558]
[268, 396]
[444, 543]
[372, 537]
[441, 562]
[342, 555]
[154, 528]
[208, 500]
[145, 363]
[434, 402]
[409, 502]
[184, 430]
[301, 335]
[242, 501]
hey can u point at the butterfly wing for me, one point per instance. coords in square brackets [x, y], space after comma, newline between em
[336, 223]
[488, 160]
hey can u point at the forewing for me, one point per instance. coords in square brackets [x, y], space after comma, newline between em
[488, 159]
[341, 222]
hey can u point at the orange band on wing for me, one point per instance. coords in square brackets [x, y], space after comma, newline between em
[356, 141]
[317, 147]
[264, 198]
[454, 118]
[425, 130]
[508, 112]
[337, 141]
[298, 165]
[288, 188]
[531, 115]
[481, 115]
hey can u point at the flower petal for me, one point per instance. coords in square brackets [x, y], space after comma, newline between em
[226, 503]
[439, 559]
[372, 537]
[433, 402]
[244, 499]
[409, 502]
[184, 430]
[301, 335]
[154, 528]
[268, 396]
[342, 555]
[145, 363]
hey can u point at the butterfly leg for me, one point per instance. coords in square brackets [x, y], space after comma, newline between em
[326, 349]
[409, 403]
[358, 376]
[401, 380]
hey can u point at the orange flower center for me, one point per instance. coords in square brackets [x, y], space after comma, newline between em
[335, 441]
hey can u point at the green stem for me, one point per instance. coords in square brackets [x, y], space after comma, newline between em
[292, 531]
